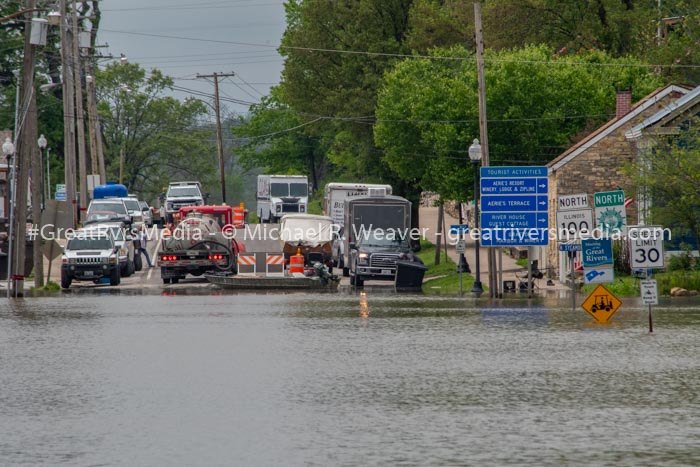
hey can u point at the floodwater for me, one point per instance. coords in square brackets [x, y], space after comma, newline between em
[343, 379]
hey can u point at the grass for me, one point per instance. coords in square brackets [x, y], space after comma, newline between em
[628, 286]
[443, 278]
[522, 262]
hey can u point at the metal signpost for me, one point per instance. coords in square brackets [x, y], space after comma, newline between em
[514, 208]
[597, 260]
[610, 212]
[460, 247]
[647, 250]
[571, 249]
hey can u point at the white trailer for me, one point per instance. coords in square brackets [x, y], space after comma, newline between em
[334, 198]
[278, 195]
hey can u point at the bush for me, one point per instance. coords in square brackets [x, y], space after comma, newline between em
[684, 261]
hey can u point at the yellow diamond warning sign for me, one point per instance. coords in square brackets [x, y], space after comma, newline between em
[601, 304]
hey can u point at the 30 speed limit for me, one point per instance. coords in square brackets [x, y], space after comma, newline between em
[646, 247]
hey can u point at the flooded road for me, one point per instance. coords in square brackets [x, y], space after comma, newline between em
[343, 379]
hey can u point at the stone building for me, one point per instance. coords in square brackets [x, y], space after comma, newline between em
[596, 163]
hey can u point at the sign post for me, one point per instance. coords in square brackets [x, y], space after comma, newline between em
[647, 250]
[571, 249]
[460, 247]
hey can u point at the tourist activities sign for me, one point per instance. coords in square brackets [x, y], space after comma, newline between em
[610, 212]
[514, 204]
[601, 304]
[597, 259]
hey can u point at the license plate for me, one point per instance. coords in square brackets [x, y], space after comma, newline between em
[88, 273]
[386, 272]
[192, 253]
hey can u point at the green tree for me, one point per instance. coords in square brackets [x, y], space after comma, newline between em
[427, 112]
[162, 139]
[671, 177]
[273, 139]
[317, 82]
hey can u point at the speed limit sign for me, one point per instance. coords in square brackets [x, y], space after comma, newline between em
[646, 246]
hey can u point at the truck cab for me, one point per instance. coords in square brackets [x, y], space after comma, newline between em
[278, 195]
[372, 227]
[90, 256]
[181, 194]
[374, 255]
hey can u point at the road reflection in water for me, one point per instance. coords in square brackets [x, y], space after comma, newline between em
[190, 378]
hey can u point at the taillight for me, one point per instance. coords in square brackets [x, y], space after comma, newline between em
[216, 257]
[168, 258]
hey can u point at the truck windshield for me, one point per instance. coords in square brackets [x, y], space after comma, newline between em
[384, 239]
[132, 204]
[298, 189]
[179, 191]
[279, 189]
[114, 206]
[88, 243]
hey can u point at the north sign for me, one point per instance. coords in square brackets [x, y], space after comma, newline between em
[610, 212]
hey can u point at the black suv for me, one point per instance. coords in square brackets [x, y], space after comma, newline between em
[375, 254]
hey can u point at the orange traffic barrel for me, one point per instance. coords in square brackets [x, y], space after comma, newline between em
[239, 216]
[296, 262]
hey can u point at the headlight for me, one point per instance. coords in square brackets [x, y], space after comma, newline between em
[302, 208]
[278, 208]
[363, 258]
[169, 206]
[72, 260]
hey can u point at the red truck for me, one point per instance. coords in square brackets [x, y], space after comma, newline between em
[202, 241]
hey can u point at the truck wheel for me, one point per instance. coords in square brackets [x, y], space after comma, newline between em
[115, 277]
[346, 272]
[359, 281]
[129, 268]
[138, 262]
[66, 280]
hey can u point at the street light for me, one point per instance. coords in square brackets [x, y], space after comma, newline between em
[42, 145]
[8, 149]
[475, 157]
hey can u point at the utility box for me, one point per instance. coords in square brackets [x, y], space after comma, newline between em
[40, 27]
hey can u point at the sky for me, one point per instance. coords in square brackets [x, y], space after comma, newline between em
[205, 36]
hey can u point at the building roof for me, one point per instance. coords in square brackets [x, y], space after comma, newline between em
[612, 125]
[677, 106]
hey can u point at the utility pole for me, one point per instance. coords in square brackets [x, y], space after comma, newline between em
[79, 114]
[219, 136]
[68, 112]
[26, 138]
[483, 130]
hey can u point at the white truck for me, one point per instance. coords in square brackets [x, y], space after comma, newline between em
[181, 194]
[334, 198]
[278, 195]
